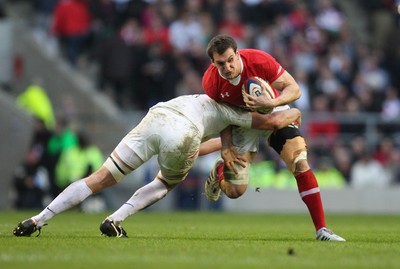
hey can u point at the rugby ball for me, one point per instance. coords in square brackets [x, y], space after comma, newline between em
[255, 86]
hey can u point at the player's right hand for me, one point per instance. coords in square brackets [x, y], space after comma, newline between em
[231, 156]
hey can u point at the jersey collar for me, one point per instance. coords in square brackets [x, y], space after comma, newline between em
[235, 81]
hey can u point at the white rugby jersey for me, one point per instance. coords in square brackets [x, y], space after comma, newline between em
[209, 116]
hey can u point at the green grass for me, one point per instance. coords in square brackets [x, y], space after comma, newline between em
[202, 240]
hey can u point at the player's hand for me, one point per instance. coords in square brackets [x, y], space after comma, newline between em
[297, 123]
[255, 103]
[231, 156]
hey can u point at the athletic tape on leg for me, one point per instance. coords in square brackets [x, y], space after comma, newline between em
[116, 168]
[302, 156]
[241, 178]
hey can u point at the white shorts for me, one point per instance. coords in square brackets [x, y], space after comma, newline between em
[248, 140]
[167, 134]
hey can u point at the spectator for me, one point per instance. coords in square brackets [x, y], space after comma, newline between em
[104, 19]
[329, 17]
[118, 57]
[366, 172]
[233, 25]
[190, 83]
[342, 158]
[186, 34]
[44, 10]
[157, 32]
[339, 99]
[41, 137]
[30, 182]
[72, 25]
[77, 162]
[383, 152]
[304, 102]
[329, 177]
[156, 77]
[304, 57]
[391, 105]
[61, 140]
[325, 129]
[327, 83]
[392, 165]
[36, 102]
[373, 75]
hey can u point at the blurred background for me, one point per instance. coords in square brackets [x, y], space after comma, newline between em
[77, 75]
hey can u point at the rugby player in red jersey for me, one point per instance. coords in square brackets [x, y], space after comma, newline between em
[223, 81]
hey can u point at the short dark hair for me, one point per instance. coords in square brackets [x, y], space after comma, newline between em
[220, 44]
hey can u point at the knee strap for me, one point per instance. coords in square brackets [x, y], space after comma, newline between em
[302, 156]
[241, 178]
[117, 168]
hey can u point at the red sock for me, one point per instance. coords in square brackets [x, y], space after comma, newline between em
[220, 172]
[309, 192]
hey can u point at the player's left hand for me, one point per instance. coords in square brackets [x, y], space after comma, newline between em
[258, 102]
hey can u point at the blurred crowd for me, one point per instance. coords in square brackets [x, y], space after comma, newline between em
[153, 50]
[148, 51]
[58, 154]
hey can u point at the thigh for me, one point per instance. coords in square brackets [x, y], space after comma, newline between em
[178, 154]
[289, 144]
[142, 142]
[279, 139]
[247, 140]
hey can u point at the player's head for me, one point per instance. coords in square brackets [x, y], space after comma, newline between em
[222, 50]
[219, 44]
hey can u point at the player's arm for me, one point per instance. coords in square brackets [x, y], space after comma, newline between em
[286, 85]
[229, 152]
[288, 88]
[209, 146]
[276, 120]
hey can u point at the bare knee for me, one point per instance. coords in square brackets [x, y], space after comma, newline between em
[233, 191]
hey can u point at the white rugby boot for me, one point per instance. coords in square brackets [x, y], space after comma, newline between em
[211, 186]
[324, 234]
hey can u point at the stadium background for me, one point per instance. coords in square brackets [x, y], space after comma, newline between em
[351, 87]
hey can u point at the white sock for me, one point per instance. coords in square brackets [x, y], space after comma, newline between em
[70, 197]
[142, 198]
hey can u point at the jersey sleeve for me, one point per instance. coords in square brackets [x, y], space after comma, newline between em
[267, 65]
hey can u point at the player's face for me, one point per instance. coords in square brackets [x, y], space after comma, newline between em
[228, 63]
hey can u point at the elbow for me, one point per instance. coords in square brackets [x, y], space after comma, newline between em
[298, 95]
[279, 125]
[276, 122]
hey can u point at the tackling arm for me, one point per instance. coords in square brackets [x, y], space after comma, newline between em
[209, 146]
[276, 120]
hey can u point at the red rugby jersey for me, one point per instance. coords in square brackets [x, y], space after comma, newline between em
[255, 63]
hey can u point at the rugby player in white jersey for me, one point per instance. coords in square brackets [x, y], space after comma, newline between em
[174, 131]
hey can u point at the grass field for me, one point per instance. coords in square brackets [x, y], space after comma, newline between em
[202, 240]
